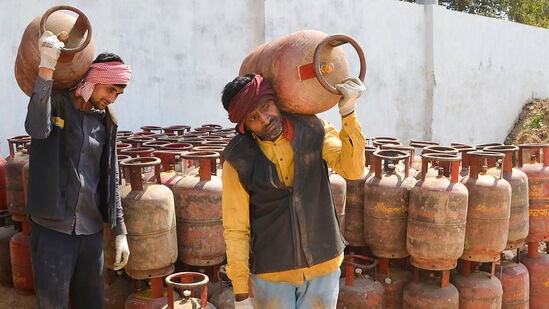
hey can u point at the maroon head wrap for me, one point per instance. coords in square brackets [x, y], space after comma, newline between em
[247, 99]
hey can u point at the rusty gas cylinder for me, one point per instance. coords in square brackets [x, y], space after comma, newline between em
[538, 270]
[171, 171]
[519, 218]
[149, 214]
[121, 146]
[431, 290]
[137, 140]
[76, 56]
[339, 195]
[478, 289]
[354, 203]
[537, 170]
[223, 295]
[437, 215]
[359, 289]
[186, 282]
[156, 144]
[418, 147]
[303, 68]
[464, 150]
[177, 130]
[3, 185]
[436, 166]
[198, 212]
[488, 211]
[152, 128]
[15, 162]
[21, 266]
[394, 276]
[6, 233]
[386, 199]
[117, 289]
[515, 281]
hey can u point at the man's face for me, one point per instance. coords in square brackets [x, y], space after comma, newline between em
[104, 94]
[265, 121]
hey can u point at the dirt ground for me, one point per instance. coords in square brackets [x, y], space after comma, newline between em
[10, 299]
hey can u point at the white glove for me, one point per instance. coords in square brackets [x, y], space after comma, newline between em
[248, 303]
[50, 50]
[351, 89]
[122, 252]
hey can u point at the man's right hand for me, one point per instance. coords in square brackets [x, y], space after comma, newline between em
[248, 303]
[50, 50]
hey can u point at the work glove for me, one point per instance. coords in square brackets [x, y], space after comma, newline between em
[248, 303]
[50, 50]
[122, 252]
[351, 89]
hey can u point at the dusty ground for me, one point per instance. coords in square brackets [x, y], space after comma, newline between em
[10, 299]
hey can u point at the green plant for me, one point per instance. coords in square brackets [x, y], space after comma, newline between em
[536, 122]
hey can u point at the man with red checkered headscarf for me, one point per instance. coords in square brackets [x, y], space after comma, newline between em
[73, 180]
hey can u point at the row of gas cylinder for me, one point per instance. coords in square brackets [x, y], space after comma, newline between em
[450, 212]
[171, 194]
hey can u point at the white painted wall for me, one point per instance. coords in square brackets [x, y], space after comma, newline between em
[431, 73]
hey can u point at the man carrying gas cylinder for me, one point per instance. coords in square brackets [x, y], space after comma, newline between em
[73, 180]
[280, 224]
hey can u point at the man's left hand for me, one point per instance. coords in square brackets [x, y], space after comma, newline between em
[122, 252]
[351, 89]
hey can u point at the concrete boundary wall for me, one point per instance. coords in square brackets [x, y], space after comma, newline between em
[431, 74]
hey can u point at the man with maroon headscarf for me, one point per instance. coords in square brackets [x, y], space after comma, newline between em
[73, 180]
[280, 224]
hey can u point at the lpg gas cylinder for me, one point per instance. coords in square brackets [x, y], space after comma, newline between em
[538, 270]
[519, 218]
[14, 176]
[386, 199]
[339, 195]
[223, 296]
[437, 216]
[478, 290]
[464, 150]
[430, 291]
[418, 147]
[537, 170]
[186, 282]
[488, 211]
[354, 203]
[6, 233]
[76, 57]
[394, 276]
[437, 166]
[117, 289]
[21, 266]
[303, 68]
[198, 212]
[358, 289]
[177, 129]
[149, 214]
[3, 185]
[170, 173]
[515, 281]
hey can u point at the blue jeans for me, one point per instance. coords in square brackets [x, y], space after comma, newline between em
[321, 292]
[66, 265]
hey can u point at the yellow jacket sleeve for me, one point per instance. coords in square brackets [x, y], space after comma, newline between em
[344, 151]
[236, 224]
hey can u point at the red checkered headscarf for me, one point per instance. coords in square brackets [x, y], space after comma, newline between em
[247, 99]
[110, 73]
